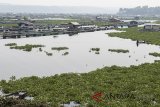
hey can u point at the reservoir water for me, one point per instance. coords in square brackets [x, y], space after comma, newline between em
[79, 60]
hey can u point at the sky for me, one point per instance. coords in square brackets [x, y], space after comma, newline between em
[93, 3]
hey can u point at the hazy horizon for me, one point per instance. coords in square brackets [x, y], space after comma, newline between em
[5, 8]
[90, 3]
[71, 6]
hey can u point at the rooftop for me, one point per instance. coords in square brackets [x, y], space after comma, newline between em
[152, 24]
[74, 23]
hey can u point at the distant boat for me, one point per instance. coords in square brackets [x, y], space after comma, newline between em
[140, 41]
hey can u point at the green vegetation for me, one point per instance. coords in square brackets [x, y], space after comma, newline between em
[81, 21]
[48, 54]
[95, 49]
[54, 21]
[40, 49]
[27, 47]
[118, 50]
[155, 54]
[105, 23]
[66, 53]
[9, 102]
[9, 25]
[11, 44]
[59, 48]
[55, 36]
[141, 81]
[97, 52]
[157, 22]
[157, 61]
[136, 33]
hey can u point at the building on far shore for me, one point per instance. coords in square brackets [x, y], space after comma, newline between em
[133, 24]
[114, 20]
[73, 26]
[152, 27]
[1, 28]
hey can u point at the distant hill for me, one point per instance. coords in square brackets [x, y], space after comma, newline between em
[144, 10]
[53, 9]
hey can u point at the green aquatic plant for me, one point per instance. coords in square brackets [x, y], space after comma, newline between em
[48, 54]
[12, 78]
[81, 87]
[66, 53]
[59, 48]
[137, 33]
[157, 61]
[155, 54]
[118, 50]
[95, 49]
[97, 52]
[11, 44]
[40, 49]
[27, 47]
[142, 81]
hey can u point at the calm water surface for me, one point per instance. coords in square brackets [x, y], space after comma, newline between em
[21, 64]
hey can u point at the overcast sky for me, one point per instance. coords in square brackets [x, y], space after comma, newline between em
[95, 3]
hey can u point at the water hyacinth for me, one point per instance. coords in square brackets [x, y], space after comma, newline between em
[155, 54]
[118, 50]
[11, 44]
[27, 47]
[59, 48]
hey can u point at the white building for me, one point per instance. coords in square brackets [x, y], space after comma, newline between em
[152, 27]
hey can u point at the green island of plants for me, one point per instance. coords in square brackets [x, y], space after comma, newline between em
[155, 54]
[66, 53]
[136, 33]
[141, 81]
[95, 49]
[48, 54]
[11, 44]
[118, 50]
[97, 52]
[59, 48]
[27, 47]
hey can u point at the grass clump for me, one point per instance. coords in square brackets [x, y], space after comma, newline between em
[27, 47]
[141, 81]
[59, 48]
[136, 33]
[97, 52]
[95, 49]
[48, 54]
[66, 53]
[40, 49]
[155, 54]
[11, 44]
[118, 50]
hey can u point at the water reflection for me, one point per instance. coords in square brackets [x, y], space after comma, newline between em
[20, 64]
